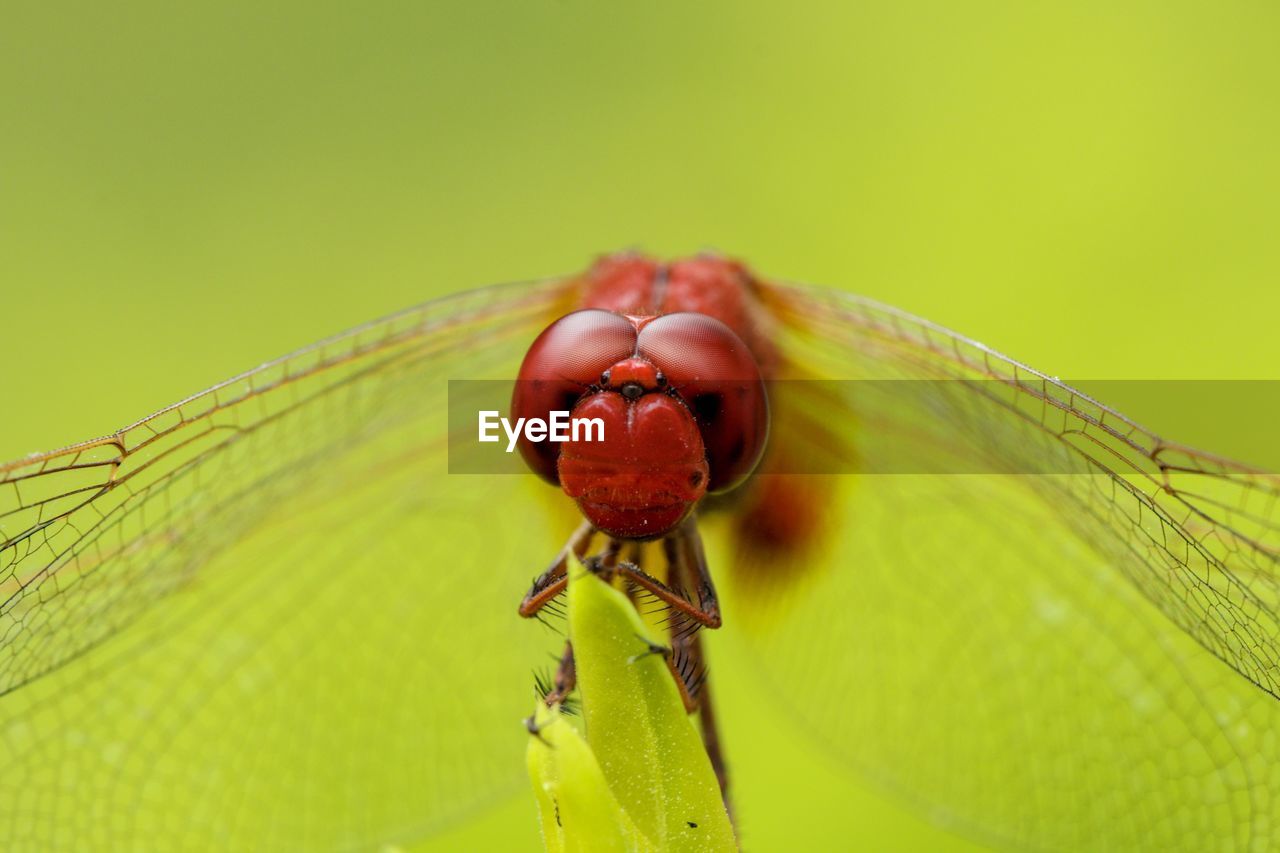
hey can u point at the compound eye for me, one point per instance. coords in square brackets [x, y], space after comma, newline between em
[716, 375]
[568, 357]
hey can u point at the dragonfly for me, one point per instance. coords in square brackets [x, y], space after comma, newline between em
[669, 362]
[269, 615]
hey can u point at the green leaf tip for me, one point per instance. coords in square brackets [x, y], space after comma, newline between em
[575, 807]
[641, 779]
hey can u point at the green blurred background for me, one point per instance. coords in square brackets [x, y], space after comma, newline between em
[190, 190]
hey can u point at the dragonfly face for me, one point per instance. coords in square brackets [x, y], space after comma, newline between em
[679, 395]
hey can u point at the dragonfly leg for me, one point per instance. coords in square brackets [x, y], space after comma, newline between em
[566, 677]
[688, 660]
[711, 732]
[686, 560]
[709, 617]
[690, 668]
[552, 582]
[689, 564]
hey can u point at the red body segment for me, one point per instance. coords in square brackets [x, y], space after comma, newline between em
[623, 282]
[630, 283]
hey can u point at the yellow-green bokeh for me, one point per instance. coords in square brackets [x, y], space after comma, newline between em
[187, 191]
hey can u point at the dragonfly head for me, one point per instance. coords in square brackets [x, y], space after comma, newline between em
[670, 407]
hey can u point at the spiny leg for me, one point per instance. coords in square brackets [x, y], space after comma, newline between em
[545, 588]
[552, 582]
[566, 675]
[683, 549]
[689, 566]
[707, 715]
[689, 569]
[565, 679]
[684, 545]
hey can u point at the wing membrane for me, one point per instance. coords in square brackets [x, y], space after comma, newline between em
[1066, 654]
[318, 569]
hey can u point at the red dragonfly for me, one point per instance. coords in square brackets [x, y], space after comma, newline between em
[671, 359]
[268, 615]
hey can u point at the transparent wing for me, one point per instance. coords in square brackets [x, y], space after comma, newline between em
[202, 613]
[1071, 646]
